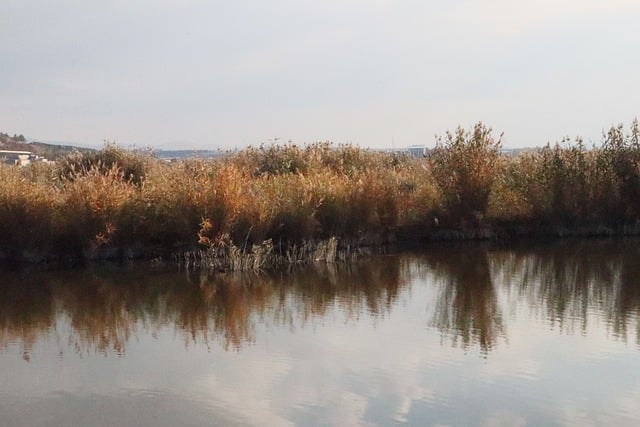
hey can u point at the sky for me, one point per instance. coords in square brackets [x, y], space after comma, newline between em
[375, 73]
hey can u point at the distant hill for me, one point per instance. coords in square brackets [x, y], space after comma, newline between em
[15, 142]
[49, 151]
[55, 151]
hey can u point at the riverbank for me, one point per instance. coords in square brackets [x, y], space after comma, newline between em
[266, 256]
[119, 204]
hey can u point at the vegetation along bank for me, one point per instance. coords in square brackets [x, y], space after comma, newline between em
[286, 204]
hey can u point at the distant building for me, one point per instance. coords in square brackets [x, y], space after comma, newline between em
[413, 151]
[417, 150]
[513, 152]
[19, 158]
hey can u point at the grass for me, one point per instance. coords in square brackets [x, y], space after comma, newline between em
[287, 197]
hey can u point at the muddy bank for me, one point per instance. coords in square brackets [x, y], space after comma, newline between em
[508, 232]
[228, 257]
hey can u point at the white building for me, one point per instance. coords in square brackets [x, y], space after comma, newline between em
[19, 158]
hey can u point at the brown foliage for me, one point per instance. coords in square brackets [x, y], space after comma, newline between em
[464, 166]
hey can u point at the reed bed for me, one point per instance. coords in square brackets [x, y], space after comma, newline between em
[229, 257]
[272, 204]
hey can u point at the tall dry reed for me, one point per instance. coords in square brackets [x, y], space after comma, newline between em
[291, 195]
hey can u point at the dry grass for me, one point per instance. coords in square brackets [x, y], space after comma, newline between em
[289, 195]
[292, 195]
[464, 166]
[569, 184]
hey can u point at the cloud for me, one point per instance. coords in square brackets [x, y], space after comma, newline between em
[507, 18]
[233, 73]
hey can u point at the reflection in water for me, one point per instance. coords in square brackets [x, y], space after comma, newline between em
[570, 280]
[26, 311]
[103, 309]
[548, 336]
[467, 307]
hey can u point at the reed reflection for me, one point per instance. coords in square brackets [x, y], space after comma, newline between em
[104, 309]
[26, 312]
[466, 309]
[570, 281]
[566, 285]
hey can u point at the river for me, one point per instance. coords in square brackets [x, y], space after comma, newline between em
[530, 334]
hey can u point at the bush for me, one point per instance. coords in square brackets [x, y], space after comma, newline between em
[619, 168]
[292, 194]
[569, 184]
[25, 210]
[556, 184]
[132, 165]
[91, 208]
[464, 166]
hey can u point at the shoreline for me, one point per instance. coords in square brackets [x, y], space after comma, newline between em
[332, 250]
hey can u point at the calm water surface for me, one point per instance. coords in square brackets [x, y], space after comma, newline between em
[537, 335]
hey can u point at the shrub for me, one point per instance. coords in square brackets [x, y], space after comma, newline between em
[292, 194]
[619, 168]
[464, 168]
[25, 210]
[133, 165]
[273, 160]
[91, 208]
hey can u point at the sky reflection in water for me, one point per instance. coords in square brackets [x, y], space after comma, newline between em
[545, 335]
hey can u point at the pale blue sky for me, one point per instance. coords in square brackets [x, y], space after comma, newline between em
[219, 74]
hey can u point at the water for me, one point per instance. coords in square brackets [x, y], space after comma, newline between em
[545, 334]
